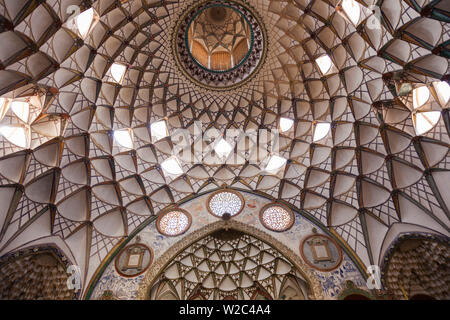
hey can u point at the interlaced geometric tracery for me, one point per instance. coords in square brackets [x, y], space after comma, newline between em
[225, 202]
[276, 217]
[174, 223]
[230, 265]
[66, 87]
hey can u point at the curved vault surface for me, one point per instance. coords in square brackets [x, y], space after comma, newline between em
[382, 168]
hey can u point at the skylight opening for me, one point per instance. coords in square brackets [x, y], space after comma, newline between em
[223, 148]
[324, 63]
[321, 130]
[352, 10]
[443, 91]
[17, 135]
[275, 164]
[276, 217]
[173, 223]
[159, 130]
[117, 71]
[425, 121]
[172, 167]
[225, 202]
[421, 96]
[85, 22]
[124, 138]
[286, 124]
[21, 110]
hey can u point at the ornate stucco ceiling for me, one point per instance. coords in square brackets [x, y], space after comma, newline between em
[382, 169]
[219, 29]
[32, 274]
[230, 265]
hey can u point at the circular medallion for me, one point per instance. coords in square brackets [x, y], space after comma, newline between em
[219, 44]
[225, 202]
[174, 222]
[219, 38]
[321, 252]
[276, 217]
[133, 260]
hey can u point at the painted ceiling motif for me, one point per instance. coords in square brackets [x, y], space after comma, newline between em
[219, 29]
[89, 107]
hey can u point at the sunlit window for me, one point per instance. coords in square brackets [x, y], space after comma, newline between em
[276, 217]
[352, 10]
[443, 91]
[321, 130]
[15, 134]
[324, 63]
[124, 138]
[21, 110]
[227, 201]
[117, 71]
[172, 167]
[173, 223]
[223, 148]
[425, 121]
[421, 96]
[159, 130]
[286, 124]
[85, 22]
[4, 106]
[275, 164]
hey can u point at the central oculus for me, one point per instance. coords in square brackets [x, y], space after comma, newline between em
[219, 43]
[219, 37]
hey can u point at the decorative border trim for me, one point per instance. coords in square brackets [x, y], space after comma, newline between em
[276, 204]
[313, 266]
[262, 292]
[229, 191]
[162, 262]
[351, 289]
[152, 256]
[167, 211]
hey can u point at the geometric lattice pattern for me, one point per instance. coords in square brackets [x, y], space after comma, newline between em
[230, 265]
[372, 176]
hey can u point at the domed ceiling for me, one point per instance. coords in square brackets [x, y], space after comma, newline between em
[218, 31]
[91, 108]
